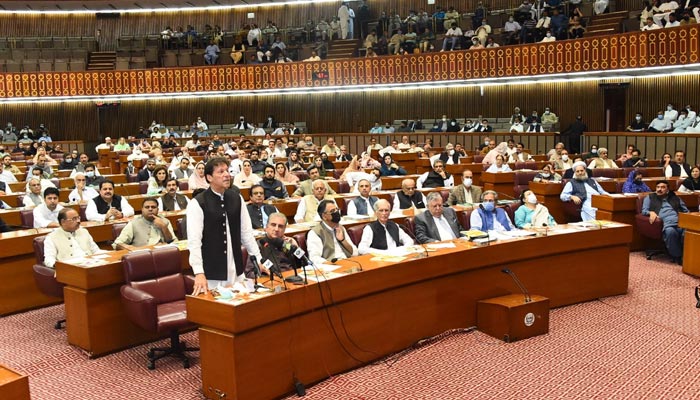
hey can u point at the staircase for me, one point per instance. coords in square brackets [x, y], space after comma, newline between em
[606, 24]
[101, 60]
[346, 48]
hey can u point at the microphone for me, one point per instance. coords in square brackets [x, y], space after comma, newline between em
[425, 253]
[288, 248]
[334, 260]
[518, 283]
[273, 265]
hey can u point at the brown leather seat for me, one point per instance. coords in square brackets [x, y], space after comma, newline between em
[521, 181]
[143, 187]
[652, 232]
[355, 233]
[301, 240]
[182, 228]
[44, 277]
[117, 229]
[464, 218]
[27, 218]
[154, 298]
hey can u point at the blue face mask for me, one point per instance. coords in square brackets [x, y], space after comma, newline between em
[660, 117]
[489, 206]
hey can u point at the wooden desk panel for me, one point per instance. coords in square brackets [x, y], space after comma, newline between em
[548, 195]
[411, 300]
[501, 182]
[691, 245]
[13, 385]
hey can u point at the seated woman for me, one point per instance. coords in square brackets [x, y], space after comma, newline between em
[500, 165]
[318, 162]
[283, 175]
[691, 183]
[246, 177]
[547, 175]
[490, 157]
[156, 183]
[293, 162]
[197, 180]
[390, 167]
[368, 162]
[634, 184]
[532, 214]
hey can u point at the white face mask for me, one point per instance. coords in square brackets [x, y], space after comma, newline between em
[467, 182]
[545, 174]
[669, 108]
[444, 119]
[532, 199]
[451, 152]
[565, 157]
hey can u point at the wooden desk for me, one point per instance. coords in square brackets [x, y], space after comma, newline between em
[388, 307]
[691, 245]
[501, 182]
[13, 385]
[548, 195]
[394, 182]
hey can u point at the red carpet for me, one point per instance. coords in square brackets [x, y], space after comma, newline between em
[642, 345]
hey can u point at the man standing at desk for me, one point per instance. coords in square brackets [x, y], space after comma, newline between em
[437, 223]
[329, 240]
[172, 200]
[69, 241]
[665, 205]
[46, 214]
[383, 234]
[217, 225]
[147, 229]
[108, 205]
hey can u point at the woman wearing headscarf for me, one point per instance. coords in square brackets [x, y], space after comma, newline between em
[490, 157]
[531, 213]
[197, 180]
[283, 175]
[634, 183]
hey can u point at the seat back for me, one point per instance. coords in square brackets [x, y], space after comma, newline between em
[301, 240]
[81, 211]
[525, 165]
[38, 244]
[131, 178]
[521, 181]
[343, 187]
[303, 175]
[143, 187]
[478, 158]
[157, 272]
[182, 228]
[464, 218]
[44, 277]
[410, 225]
[606, 172]
[644, 228]
[355, 233]
[117, 229]
[183, 185]
[27, 217]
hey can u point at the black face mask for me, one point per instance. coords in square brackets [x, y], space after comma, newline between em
[335, 217]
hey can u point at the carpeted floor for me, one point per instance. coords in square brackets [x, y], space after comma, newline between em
[645, 344]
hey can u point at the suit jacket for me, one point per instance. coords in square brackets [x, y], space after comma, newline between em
[457, 195]
[305, 188]
[427, 232]
[143, 175]
[178, 174]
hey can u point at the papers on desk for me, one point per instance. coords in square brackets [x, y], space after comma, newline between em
[86, 262]
[515, 233]
[322, 268]
[444, 245]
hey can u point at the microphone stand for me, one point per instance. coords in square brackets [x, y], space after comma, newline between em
[518, 283]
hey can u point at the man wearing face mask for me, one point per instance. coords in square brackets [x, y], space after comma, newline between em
[466, 193]
[70, 161]
[635, 160]
[449, 156]
[274, 188]
[485, 144]
[580, 190]
[329, 240]
[511, 30]
[694, 126]
[660, 124]
[638, 124]
[272, 246]
[83, 161]
[682, 123]
[453, 126]
[671, 114]
[549, 119]
[242, 124]
[308, 144]
[91, 179]
[488, 217]
[388, 128]
[533, 118]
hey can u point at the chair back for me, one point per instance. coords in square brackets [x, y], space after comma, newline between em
[301, 240]
[410, 224]
[44, 277]
[143, 187]
[303, 175]
[606, 172]
[355, 233]
[525, 165]
[117, 229]
[183, 185]
[157, 272]
[464, 218]
[27, 218]
[38, 245]
[182, 228]
[478, 158]
[131, 178]
[81, 211]
[521, 181]
[343, 187]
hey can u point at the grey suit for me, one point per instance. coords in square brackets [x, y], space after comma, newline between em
[180, 174]
[427, 232]
[457, 195]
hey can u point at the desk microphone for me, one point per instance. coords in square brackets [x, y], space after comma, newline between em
[334, 260]
[517, 282]
[256, 266]
[274, 268]
[415, 239]
[289, 248]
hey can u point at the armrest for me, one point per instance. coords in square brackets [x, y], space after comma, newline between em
[189, 283]
[140, 307]
[652, 231]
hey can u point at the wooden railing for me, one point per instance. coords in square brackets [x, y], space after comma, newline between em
[664, 47]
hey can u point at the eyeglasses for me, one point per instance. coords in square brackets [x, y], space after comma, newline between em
[74, 219]
[258, 193]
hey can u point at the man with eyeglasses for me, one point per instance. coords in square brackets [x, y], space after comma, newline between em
[408, 197]
[438, 223]
[306, 210]
[329, 240]
[259, 212]
[488, 217]
[383, 234]
[438, 177]
[147, 229]
[82, 193]
[68, 241]
[46, 214]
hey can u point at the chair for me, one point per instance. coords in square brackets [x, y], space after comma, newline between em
[27, 218]
[653, 232]
[184, 60]
[182, 228]
[44, 277]
[169, 59]
[303, 175]
[464, 218]
[343, 187]
[410, 225]
[478, 158]
[525, 165]
[606, 172]
[301, 240]
[183, 185]
[521, 181]
[154, 298]
[355, 233]
[117, 229]
[60, 65]
[143, 187]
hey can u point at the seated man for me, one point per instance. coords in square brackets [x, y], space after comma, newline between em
[46, 214]
[43, 166]
[488, 217]
[374, 178]
[183, 171]
[438, 177]
[258, 211]
[108, 206]
[383, 234]
[328, 240]
[306, 210]
[305, 188]
[147, 229]
[519, 155]
[80, 167]
[82, 193]
[274, 188]
[33, 197]
[665, 205]
[678, 167]
[171, 200]
[363, 205]
[580, 189]
[272, 246]
[635, 161]
[92, 180]
[465, 193]
[437, 223]
[408, 197]
[68, 241]
[147, 172]
[330, 148]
